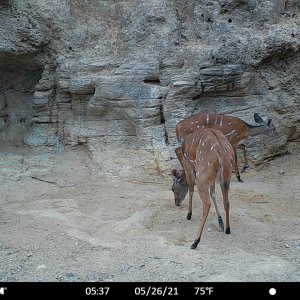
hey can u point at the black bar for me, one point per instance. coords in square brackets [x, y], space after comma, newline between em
[9, 290]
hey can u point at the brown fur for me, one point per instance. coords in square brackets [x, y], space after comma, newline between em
[205, 154]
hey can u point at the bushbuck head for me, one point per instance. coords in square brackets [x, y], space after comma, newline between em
[179, 187]
[268, 125]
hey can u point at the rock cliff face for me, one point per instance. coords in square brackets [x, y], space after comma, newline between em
[118, 75]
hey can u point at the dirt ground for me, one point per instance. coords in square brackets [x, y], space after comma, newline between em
[61, 219]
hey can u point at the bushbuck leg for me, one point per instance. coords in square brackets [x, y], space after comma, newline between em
[236, 169]
[191, 184]
[213, 197]
[225, 183]
[203, 191]
[246, 165]
[190, 179]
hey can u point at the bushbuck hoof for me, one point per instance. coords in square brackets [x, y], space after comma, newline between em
[245, 168]
[221, 224]
[227, 230]
[239, 178]
[189, 216]
[195, 244]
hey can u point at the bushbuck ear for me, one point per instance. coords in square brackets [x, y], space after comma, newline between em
[258, 119]
[176, 176]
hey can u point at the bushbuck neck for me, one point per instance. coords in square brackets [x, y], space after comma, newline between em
[205, 154]
[256, 130]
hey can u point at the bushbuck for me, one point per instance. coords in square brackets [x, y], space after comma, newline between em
[205, 154]
[236, 131]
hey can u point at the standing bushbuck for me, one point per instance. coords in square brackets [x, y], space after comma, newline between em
[206, 153]
[236, 131]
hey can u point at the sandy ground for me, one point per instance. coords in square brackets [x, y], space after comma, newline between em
[61, 219]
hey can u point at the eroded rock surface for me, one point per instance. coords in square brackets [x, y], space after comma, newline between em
[118, 75]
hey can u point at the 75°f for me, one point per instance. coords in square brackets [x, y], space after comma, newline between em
[203, 290]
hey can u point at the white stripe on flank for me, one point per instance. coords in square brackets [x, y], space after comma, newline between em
[207, 119]
[231, 132]
[193, 141]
